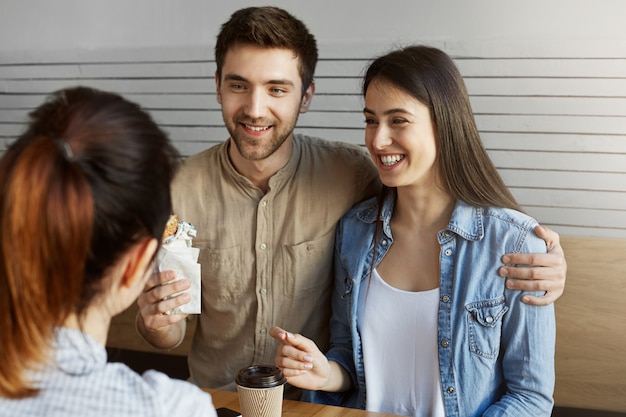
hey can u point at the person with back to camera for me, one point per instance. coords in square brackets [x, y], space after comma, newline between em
[78, 244]
[422, 325]
[266, 203]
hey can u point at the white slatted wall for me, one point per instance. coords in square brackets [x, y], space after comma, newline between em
[555, 127]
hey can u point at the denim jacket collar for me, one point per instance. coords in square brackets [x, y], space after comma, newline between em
[466, 220]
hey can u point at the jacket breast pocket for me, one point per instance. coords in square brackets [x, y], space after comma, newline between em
[484, 321]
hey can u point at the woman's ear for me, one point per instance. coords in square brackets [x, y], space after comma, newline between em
[138, 262]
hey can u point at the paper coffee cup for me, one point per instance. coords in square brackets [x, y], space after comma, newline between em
[260, 389]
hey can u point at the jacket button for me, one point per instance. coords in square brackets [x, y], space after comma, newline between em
[444, 343]
[445, 298]
[450, 390]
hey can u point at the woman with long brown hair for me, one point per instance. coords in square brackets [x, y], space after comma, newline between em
[422, 325]
[84, 198]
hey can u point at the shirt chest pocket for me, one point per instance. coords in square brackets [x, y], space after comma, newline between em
[222, 274]
[484, 321]
[306, 267]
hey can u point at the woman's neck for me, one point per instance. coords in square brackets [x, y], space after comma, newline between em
[94, 322]
[423, 210]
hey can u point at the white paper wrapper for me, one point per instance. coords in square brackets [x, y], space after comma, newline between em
[177, 256]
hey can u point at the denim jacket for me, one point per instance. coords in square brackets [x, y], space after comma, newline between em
[496, 354]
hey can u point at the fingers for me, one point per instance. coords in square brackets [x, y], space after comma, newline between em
[537, 272]
[548, 298]
[162, 295]
[161, 286]
[293, 355]
[550, 236]
[538, 266]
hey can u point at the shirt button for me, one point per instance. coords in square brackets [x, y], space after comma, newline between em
[263, 203]
[444, 343]
[448, 252]
[450, 390]
[263, 291]
[263, 246]
[263, 331]
[445, 298]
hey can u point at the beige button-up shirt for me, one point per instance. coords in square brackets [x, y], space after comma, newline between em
[266, 259]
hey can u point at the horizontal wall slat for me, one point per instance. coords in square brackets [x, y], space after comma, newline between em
[139, 70]
[554, 142]
[567, 180]
[534, 67]
[546, 87]
[561, 161]
[607, 200]
[563, 106]
[563, 216]
[126, 86]
[552, 124]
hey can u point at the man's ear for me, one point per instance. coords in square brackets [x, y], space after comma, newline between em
[307, 97]
[217, 88]
[138, 261]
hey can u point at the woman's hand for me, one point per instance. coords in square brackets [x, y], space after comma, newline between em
[301, 361]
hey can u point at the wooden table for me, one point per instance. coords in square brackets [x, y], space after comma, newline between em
[295, 408]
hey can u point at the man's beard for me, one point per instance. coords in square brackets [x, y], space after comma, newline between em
[254, 149]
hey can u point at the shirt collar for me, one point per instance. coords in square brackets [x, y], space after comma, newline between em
[466, 220]
[78, 353]
[283, 174]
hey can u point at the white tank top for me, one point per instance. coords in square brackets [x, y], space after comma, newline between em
[399, 334]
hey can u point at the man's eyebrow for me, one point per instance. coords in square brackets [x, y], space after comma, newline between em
[237, 77]
[234, 77]
[280, 82]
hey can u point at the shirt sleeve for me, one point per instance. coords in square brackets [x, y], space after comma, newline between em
[528, 342]
[180, 398]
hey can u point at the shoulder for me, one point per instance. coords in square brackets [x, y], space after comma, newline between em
[331, 148]
[198, 170]
[515, 226]
[357, 224]
[363, 212]
[510, 217]
[179, 397]
[201, 159]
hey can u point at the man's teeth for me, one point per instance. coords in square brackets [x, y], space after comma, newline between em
[389, 160]
[257, 128]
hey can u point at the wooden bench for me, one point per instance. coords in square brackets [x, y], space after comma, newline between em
[591, 326]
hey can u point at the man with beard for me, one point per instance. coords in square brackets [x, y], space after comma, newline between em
[266, 203]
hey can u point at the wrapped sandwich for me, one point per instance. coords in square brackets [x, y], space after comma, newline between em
[177, 254]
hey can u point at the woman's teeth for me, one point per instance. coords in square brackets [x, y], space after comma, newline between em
[389, 160]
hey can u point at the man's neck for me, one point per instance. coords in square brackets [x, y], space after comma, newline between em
[259, 172]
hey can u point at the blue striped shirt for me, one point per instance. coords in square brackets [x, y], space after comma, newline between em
[82, 383]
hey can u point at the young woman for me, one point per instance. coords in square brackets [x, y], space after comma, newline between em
[84, 197]
[422, 325]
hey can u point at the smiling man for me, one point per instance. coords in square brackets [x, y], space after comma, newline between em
[266, 203]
